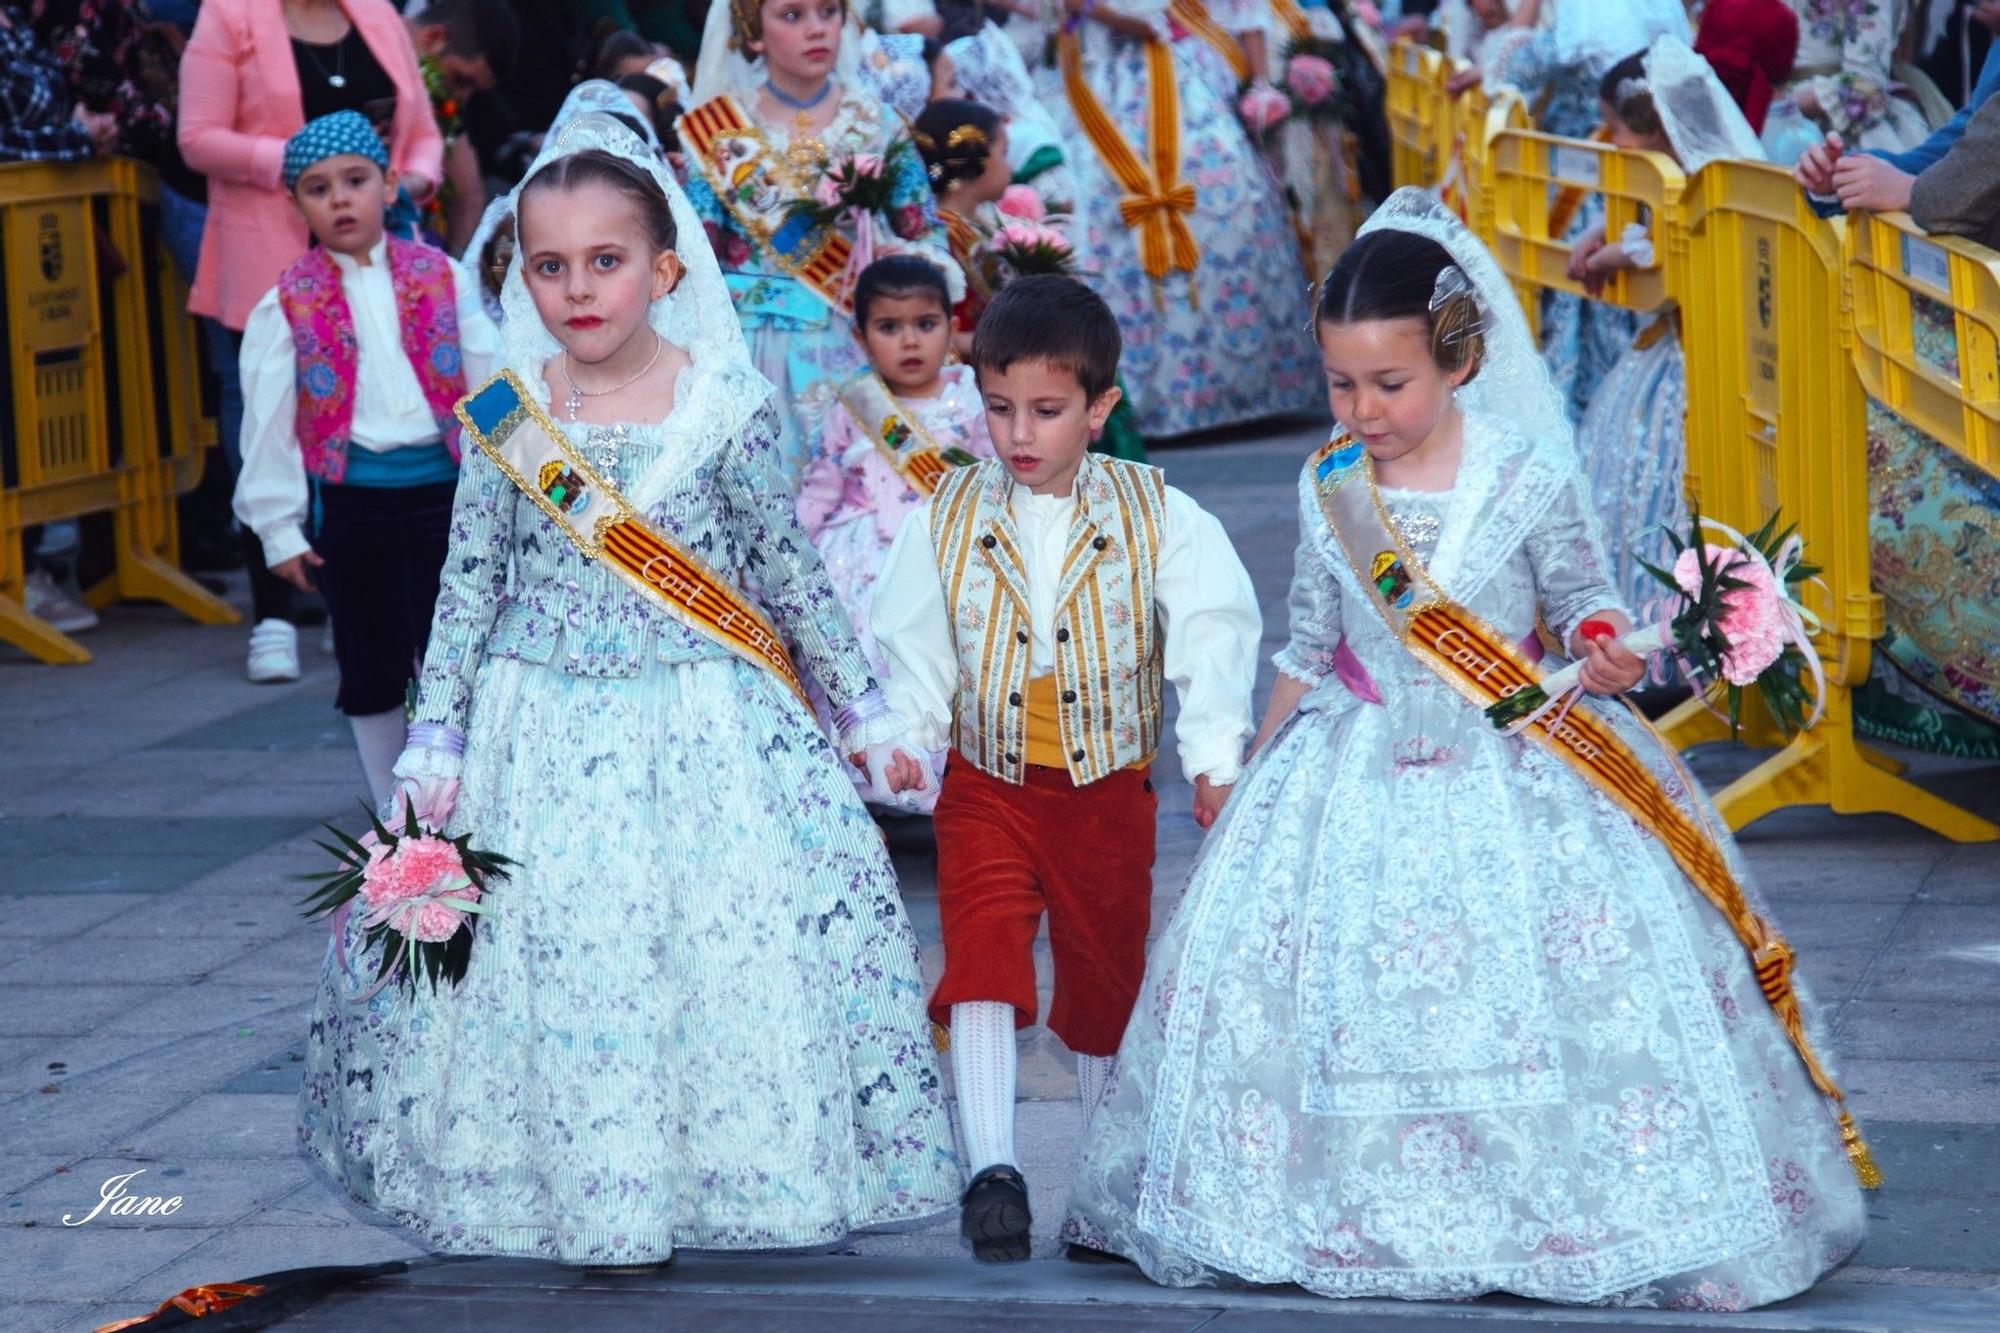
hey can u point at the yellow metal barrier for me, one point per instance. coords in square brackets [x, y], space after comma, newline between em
[1414, 105]
[1540, 179]
[1775, 421]
[1482, 116]
[1904, 284]
[98, 375]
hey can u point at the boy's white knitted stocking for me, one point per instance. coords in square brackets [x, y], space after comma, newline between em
[982, 1066]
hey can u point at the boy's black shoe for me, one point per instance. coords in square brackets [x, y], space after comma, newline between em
[994, 1215]
[1090, 1254]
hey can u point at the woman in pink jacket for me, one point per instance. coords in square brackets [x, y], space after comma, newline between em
[254, 72]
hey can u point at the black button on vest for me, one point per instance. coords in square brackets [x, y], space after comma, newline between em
[989, 541]
[1015, 698]
[1062, 635]
[1076, 755]
[1100, 543]
[1069, 696]
[1012, 759]
[1020, 636]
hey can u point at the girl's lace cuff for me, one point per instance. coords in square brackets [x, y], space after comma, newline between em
[867, 720]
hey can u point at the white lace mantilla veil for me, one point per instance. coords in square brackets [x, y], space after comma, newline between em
[1597, 34]
[590, 95]
[1701, 119]
[1513, 382]
[722, 68]
[717, 394]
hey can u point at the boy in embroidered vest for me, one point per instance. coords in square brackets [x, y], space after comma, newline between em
[1030, 612]
[351, 367]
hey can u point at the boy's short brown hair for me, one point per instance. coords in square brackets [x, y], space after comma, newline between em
[1047, 317]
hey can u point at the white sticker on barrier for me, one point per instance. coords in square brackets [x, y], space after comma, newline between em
[1576, 165]
[1410, 59]
[1927, 263]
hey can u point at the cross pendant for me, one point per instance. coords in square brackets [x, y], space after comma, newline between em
[574, 403]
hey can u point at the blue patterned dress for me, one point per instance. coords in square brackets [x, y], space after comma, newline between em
[693, 1016]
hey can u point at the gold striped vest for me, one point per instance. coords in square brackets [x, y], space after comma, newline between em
[1107, 639]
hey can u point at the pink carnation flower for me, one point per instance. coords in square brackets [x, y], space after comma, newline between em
[437, 922]
[1262, 107]
[415, 867]
[867, 165]
[1310, 78]
[1752, 620]
[826, 192]
[1021, 201]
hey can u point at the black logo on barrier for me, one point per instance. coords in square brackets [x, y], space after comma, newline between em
[49, 237]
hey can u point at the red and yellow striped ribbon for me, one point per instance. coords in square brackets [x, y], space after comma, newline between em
[1570, 198]
[1194, 16]
[1294, 19]
[1155, 200]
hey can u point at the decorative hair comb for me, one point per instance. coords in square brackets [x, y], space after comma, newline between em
[1452, 284]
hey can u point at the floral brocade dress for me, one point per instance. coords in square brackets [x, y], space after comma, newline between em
[693, 1015]
[804, 344]
[1435, 1017]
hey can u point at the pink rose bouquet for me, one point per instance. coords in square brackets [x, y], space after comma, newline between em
[1021, 201]
[1263, 108]
[1310, 79]
[1734, 622]
[418, 893]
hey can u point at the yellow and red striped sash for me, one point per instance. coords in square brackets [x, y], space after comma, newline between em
[816, 256]
[1480, 665]
[1294, 19]
[1155, 200]
[511, 428]
[899, 437]
[1194, 16]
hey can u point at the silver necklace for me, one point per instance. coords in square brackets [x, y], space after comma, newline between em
[574, 403]
[338, 78]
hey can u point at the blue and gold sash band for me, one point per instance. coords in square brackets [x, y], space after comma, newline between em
[511, 428]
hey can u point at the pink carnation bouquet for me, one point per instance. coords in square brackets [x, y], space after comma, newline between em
[1733, 621]
[1262, 108]
[1021, 201]
[418, 893]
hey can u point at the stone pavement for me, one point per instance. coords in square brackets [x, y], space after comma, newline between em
[155, 975]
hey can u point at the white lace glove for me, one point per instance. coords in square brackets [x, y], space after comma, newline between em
[427, 777]
[876, 759]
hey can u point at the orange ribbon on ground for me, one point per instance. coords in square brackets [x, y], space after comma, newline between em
[1155, 200]
[195, 1302]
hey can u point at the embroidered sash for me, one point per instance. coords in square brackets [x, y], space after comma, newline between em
[1193, 15]
[510, 426]
[1478, 662]
[748, 176]
[1156, 199]
[898, 435]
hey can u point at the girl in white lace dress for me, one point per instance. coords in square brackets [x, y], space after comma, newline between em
[692, 1016]
[1435, 1017]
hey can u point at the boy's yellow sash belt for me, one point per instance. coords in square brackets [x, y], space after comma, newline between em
[507, 423]
[901, 439]
[815, 256]
[1155, 199]
[1478, 662]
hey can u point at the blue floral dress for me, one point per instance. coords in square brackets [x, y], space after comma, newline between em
[693, 1016]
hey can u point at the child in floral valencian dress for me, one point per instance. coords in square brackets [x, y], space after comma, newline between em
[692, 1014]
[1441, 1012]
[778, 105]
[1032, 611]
[891, 433]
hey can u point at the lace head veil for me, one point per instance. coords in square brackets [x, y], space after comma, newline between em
[1597, 34]
[1700, 118]
[722, 389]
[1513, 382]
[724, 66]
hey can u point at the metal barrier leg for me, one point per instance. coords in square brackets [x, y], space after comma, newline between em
[35, 635]
[1826, 766]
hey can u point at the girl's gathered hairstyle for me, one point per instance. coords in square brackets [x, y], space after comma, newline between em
[746, 19]
[666, 111]
[955, 138]
[595, 166]
[1393, 275]
[1626, 90]
[898, 275]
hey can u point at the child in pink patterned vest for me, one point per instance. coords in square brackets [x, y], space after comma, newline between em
[351, 367]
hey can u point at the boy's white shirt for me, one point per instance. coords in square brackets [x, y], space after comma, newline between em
[1208, 616]
[389, 407]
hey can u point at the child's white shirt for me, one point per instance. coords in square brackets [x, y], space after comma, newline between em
[1209, 622]
[390, 411]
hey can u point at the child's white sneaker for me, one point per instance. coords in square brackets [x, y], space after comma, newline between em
[274, 652]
